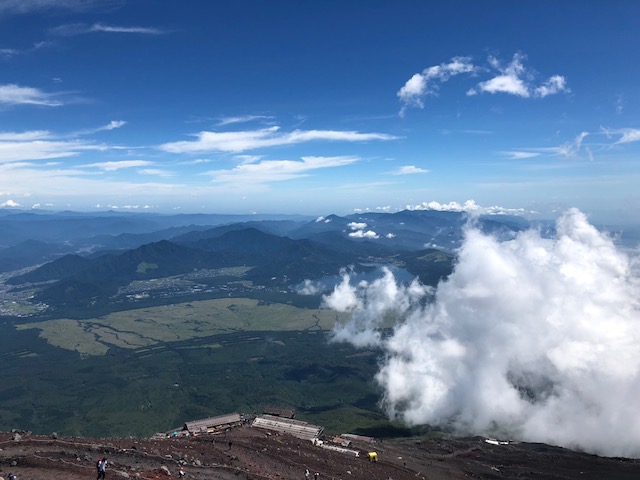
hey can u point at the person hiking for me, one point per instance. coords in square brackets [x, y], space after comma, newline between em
[102, 468]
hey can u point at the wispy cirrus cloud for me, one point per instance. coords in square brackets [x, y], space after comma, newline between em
[243, 119]
[567, 149]
[22, 148]
[518, 155]
[119, 165]
[627, 135]
[8, 52]
[112, 125]
[196, 161]
[408, 170]
[156, 171]
[267, 137]
[20, 7]
[72, 29]
[268, 171]
[25, 136]
[13, 94]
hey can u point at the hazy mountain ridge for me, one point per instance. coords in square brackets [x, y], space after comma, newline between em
[93, 257]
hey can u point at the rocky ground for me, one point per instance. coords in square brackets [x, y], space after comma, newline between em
[253, 454]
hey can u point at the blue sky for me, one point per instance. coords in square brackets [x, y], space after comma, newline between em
[321, 107]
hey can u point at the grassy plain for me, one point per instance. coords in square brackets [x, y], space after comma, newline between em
[138, 328]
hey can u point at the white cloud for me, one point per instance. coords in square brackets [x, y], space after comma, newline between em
[8, 52]
[310, 287]
[517, 155]
[508, 81]
[422, 84]
[555, 84]
[9, 7]
[357, 225]
[390, 297]
[619, 105]
[631, 135]
[344, 297]
[243, 119]
[113, 166]
[66, 186]
[567, 149]
[514, 79]
[469, 206]
[10, 204]
[358, 231]
[570, 149]
[534, 339]
[628, 135]
[408, 170]
[25, 136]
[196, 161]
[155, 171]
[322, 219]
[126, 207]
[247, 158]
[99, 27]
[12, 94]
[112, 125]
[262, 138]
[82, 28]
[277, 170]
[15, 151]
[364, 234]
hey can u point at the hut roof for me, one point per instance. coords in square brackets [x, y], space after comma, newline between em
[198, 426]
[297, 428]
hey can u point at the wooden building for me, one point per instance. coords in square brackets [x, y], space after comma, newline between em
[297, 428]
[213, 424]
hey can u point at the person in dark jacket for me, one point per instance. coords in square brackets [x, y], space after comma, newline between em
[102, 468]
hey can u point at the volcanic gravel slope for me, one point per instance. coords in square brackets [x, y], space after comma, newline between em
[250, 453]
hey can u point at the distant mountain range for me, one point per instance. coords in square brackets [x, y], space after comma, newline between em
[81, 259]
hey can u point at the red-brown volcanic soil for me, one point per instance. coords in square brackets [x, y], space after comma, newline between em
[250, 453]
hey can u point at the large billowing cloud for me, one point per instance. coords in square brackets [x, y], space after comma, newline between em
[534, 338]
